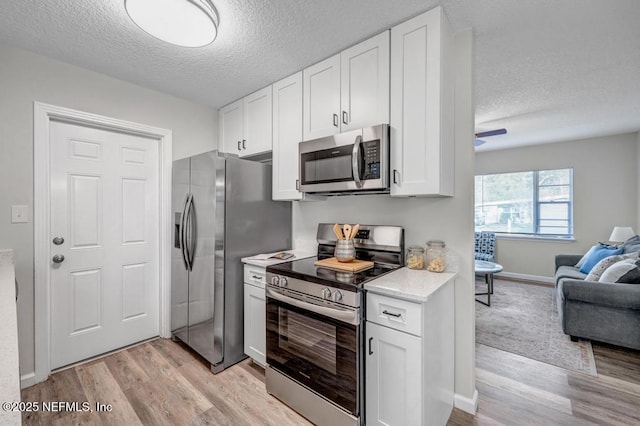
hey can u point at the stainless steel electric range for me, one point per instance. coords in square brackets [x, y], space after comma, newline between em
[315, 341]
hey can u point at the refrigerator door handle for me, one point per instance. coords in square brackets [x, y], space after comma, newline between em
[187, 233]
[181, 235]
[193, 232]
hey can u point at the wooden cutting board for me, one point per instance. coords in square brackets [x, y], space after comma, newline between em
[353, 266]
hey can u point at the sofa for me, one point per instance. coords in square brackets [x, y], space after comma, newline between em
[605, 312]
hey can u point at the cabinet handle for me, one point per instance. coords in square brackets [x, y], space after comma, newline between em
[239, 149]
[395, 176]
[255, 277]
[244, 144]
[391, 314]
[298, 184]
[345, 117]
[335, 120]
[370, 350]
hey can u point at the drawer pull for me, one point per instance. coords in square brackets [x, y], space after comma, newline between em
[391, 314]
[255, 277]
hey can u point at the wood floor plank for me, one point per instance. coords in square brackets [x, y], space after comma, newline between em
[101, 388]
[125, 370]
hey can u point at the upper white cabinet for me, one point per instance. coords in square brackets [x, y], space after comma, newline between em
[245, 125]
[422, 139]
[347, 91]
[287, 133]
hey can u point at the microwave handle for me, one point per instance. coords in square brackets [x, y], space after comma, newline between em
[355, 161]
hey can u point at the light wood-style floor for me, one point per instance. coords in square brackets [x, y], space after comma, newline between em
[163, 383]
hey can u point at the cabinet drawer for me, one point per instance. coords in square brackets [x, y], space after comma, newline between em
[255, 275]
[395, 313]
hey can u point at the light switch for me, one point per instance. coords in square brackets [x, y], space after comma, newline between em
[19, 214]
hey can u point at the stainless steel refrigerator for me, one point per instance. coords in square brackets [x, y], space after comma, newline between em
[222, 212]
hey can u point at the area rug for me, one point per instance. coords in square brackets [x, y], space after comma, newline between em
[523, 319]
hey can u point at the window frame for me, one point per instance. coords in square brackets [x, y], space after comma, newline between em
[537, 203]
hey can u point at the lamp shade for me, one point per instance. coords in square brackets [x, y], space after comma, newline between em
[188, 23]
[621, 234]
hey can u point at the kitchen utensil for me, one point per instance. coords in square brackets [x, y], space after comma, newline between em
[356, 265]
[354, 230]
[347, 231]
[345, 251]
[338, 231]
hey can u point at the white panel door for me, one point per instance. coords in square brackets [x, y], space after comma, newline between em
[231, 121]
[393, 377]
[257, 123]
[104, 204]
[365, 83]
[321, 86]
[287, 134]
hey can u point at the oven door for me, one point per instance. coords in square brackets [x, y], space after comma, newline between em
[316, 345]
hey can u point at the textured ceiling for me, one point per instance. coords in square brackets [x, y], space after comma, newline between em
[547, 70]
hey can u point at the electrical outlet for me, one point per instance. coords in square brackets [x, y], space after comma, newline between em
[19, 214]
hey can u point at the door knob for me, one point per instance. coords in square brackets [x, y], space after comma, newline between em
[58, 240]
[58, 258]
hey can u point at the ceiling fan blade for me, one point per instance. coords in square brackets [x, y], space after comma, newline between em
[491, 133]
[478, 142]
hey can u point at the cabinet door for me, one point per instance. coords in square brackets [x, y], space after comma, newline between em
[257, 123]
[422, 106]
[231, 127]
[364, 91]
[321, 86]
[255, 341]
[393, 377]
[287, 133]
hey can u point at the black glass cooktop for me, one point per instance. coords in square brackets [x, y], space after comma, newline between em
[305, 269]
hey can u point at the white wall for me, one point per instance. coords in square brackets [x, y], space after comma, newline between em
[26, 77]
[448, 219]
[605, 194]
[637, 227]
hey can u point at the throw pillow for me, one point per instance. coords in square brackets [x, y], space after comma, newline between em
[586, 256]
[632, 244]
[597, 271]
[599, 253]
[626, 271]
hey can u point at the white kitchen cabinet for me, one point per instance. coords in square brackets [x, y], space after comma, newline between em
[422, 138]
[347, 91]
[232, 127]
[255, 343]
[409, 359]
[245, 125]
[287, 133]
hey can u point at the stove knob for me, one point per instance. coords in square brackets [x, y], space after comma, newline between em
[326, 294]
[283, 282]
[275, 280]
[337, 296]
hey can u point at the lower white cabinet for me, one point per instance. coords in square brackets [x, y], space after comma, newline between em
[394, 364]
[409, 359]
[255, 342]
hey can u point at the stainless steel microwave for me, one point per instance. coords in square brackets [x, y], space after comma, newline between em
[350, 162]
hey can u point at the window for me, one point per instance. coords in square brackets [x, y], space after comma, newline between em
[537, 203]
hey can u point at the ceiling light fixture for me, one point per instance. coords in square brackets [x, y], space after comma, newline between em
[188, 23]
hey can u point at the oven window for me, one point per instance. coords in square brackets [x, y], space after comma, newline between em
[310, 339]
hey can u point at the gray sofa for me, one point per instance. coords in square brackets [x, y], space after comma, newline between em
[593, 310]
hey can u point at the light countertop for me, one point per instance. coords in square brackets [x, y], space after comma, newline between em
[410, 284]
[9, 363]
[298, 254]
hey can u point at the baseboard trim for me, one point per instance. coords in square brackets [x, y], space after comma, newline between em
[27, 380]
[468, 405]
[525, 277]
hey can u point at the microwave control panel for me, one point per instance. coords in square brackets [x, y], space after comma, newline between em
[371, 159]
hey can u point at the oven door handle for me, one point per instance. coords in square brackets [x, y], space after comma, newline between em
[355, 161]
[344, 315]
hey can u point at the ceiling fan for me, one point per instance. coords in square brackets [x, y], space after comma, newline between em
[488, 133]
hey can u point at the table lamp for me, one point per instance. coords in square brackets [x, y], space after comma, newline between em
[620, 234]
